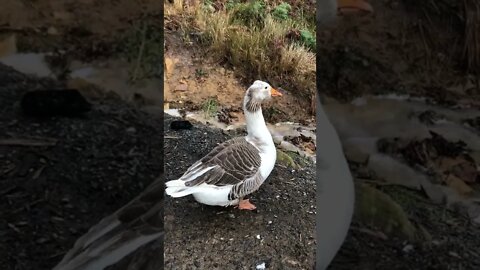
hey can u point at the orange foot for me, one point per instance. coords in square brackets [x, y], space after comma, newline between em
[246, 205]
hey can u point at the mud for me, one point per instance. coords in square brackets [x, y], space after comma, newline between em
[193, 77]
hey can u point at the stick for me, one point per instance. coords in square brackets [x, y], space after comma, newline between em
[27, 142]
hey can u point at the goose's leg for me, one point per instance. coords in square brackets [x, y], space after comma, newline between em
[246, 205]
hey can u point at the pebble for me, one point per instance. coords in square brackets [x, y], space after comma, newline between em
[261, 266]
[258, 236]
[407, 248]
[454, 254]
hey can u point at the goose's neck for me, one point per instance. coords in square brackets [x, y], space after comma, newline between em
[256, 126]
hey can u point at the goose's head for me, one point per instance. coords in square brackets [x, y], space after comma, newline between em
[258, 92]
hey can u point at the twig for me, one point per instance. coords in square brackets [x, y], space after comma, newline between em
[27, 142]
[171, 137]
[28, 206]
[377, 234]
[378, 183]
[140, 52]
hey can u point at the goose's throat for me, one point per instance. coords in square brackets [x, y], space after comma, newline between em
[253, 106]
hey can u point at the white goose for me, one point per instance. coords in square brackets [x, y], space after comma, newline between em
[335, 184]
[236, 167]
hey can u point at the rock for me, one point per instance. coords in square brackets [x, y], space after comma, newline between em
[358, 150]
[285, 159]
[52, 31]
[182, 87]
[181, 124]
[86, 88]
[434, 192]
[392, 171]
[407, 248]
[288, 146]
[46, 103]
[380, 210]
[261, 266]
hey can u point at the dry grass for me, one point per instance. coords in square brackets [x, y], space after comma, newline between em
[260, 51]
[451, 26]
[471, 51]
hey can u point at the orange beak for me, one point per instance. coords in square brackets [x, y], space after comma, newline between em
[275, 93]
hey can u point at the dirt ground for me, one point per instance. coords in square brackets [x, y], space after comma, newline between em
[51, 195]
[280, 233]
[453, 243]
[192, 78]
[84, 27]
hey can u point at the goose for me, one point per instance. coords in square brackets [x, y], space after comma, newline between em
[236, 167]
[135, 228]
[335, 184]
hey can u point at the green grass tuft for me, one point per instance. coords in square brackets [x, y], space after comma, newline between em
[281, 12]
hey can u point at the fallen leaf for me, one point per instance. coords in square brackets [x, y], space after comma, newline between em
[463, 167]
[458, 185]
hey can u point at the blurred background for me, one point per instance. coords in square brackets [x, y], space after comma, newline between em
[400, 82]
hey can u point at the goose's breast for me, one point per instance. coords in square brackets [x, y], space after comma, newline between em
[268, 158]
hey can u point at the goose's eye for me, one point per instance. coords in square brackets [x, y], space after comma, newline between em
[266, 87]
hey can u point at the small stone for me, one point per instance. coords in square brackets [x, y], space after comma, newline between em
[181, 87]
[454, 254]
[407, 248]
[52, 31]
[41, 240]
[258, 236]
[131, 130]
[261, 266]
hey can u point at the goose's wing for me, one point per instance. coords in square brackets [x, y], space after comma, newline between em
[230, 163]
[136, 224]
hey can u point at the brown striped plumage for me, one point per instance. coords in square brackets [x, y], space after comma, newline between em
[140, 220]
[236, 163]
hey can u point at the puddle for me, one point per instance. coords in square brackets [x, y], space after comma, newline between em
[28, 63]
[113, 75]
[110, 75]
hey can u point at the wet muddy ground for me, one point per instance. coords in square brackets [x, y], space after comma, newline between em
[386, 53]
[87, 168]
[280, 233]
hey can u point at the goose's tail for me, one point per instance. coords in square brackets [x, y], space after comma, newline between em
[177, 188]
